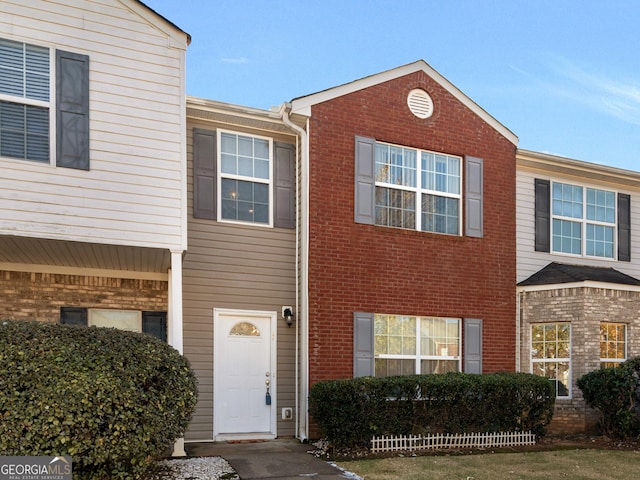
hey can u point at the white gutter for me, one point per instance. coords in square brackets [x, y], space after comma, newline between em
[302, 285]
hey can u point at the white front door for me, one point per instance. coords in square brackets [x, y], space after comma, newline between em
[244, 374]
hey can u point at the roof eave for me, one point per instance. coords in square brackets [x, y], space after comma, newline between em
[568, 166]
[578, 284]
[302, 105]
[165, 19]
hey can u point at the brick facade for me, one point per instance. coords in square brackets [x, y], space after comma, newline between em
[39, 296]
[584, 308]
[355, 267]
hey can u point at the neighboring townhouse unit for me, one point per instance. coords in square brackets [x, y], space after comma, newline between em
[240, 271]
[578, 274]
[93, 158]
[411, 240]
[379, 212]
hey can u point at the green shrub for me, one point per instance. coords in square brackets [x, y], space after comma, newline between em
[614, 393]
[112, 400]
[350, 412]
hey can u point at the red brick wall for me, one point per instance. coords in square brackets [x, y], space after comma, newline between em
[39, 296]
[356, 267]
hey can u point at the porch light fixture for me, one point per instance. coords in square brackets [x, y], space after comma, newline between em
[287, 314]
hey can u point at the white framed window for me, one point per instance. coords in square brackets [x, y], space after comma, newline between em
[418, 190]
[25, 101]
[613, 344]
[245, 172]
[583, 220]
[406, 345]
[551, 354]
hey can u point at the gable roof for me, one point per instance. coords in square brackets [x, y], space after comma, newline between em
[165, 19]
[556, 273]
[302, 105]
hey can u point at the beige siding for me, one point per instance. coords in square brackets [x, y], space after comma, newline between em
[237, 267]
[530, 261]
[134, 191]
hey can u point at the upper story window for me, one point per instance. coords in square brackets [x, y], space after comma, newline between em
[579, 220]
[583, 220]
[35, 108]
[403, 187]
[245, 178]
[417, 189]
[24, 101]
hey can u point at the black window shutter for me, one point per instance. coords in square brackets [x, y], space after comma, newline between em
[155, 323]
[363, 342]
[624, 227]
[285, 171]
[204, 174]
[72, 116]
[542, 215]
[74, 316]
[472, 345]
[473, 197]
[365, 182]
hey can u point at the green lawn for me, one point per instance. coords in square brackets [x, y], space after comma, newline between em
[547, 465]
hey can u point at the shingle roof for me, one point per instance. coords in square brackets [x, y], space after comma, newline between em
[563, 273]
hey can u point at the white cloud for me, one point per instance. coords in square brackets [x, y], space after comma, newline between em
[612, 96]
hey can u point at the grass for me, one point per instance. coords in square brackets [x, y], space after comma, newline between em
[559, 464]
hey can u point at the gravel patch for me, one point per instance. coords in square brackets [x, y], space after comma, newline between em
[197, 468]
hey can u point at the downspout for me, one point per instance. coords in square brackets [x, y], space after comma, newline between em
[519, 306]
[302, 296]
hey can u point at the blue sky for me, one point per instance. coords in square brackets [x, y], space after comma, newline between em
[563, 75]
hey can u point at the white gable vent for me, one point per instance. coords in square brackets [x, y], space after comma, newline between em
[420, 103]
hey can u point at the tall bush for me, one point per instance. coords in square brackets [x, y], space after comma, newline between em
[614, 393]
[112, 400]
[350, 412]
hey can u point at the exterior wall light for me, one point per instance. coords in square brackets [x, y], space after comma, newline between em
[287, 314]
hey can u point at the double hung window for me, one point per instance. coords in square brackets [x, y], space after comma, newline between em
[29, 123]
[25, 101]
[583, 220]
[613, 344]
[245, 178]
[417, 190]
[406, 345]
[550, 354]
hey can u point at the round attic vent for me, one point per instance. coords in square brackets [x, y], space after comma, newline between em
[420, 103]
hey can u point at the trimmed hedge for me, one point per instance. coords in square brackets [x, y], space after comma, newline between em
[614, 392]
[350, 412]
[111, 399]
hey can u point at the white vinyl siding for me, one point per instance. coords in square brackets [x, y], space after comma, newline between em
[135, 189]
[529, 261]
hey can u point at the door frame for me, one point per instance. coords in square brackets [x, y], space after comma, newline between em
[217, 340]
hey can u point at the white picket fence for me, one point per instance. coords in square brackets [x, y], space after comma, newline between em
[445, 440]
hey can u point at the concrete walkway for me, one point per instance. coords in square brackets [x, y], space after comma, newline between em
[282, 459]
